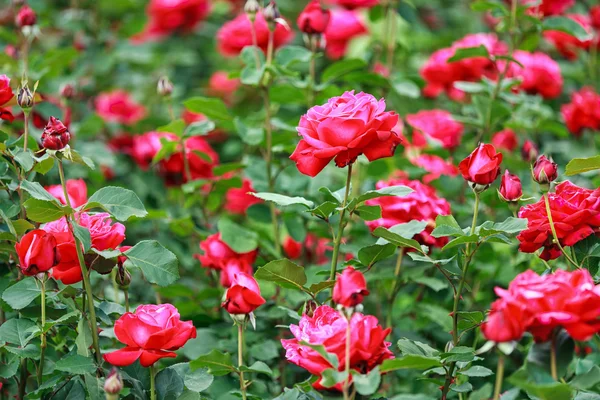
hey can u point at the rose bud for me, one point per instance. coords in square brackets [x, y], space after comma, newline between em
[56, 135]
[510, 187]
[251, 8]
[544, 171]
[113, 384]
[37, 252]
[529, 152]
[243, 297]
[67, 91]
[481, 167]
[271, 14]
[309, 308]
[164, 87]
[350, 288]
[25, 17]
[314, 19]
[25, 98]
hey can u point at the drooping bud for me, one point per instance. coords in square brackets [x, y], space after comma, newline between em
[25, 17]
[67, 91]
[545, 171]
[164, 87]
[271, 14]
[56, 135]
[25, 98]
[251, 8]
[113, 384]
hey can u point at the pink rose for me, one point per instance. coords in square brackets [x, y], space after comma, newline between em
[505, 140]
[76, 190]
[220, 85]
[118, 106]
[540, 74]
[435, 166]
[237, 200]
[168, 16]
[344, 25]
[436, 125]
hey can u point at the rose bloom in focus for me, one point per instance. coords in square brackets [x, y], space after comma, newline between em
[76, 190]
[37, 252]
[118, 106]
[482, 166]
[169, 16]
[344, 25]
[150, 333]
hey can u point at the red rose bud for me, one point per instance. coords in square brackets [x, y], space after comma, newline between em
[113, 384]
[350, 288]
[529, 152]
[243, 297]
[314, 19]
[510, 187]
[67, 91]
[482, 166]
[544, 171]
[56, 135]
[37, 252]
[25, 17]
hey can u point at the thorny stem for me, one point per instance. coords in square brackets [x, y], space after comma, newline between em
[499, 376]
[553, 229]
[338, 238]
[395, 288]
[43, 337]
[241, 358]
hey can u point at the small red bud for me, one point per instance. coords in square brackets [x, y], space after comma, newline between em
[56, 135]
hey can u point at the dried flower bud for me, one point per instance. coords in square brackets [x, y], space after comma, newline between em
[164, 87]
[251, 8]
[67, 91]
[114, 383]
[25, 98]
[25, 17]
[309, 308]
[271, 14]
[56, 135]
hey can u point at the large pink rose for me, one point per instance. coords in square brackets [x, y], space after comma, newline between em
[540, 74]
[436, 125]
[344, 25]
[344, 128]
[118, 106]
[436, 167]
[104, 233]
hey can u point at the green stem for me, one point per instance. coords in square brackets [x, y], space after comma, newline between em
[126, 293]
[338, 238]
[553, 370]
[241, 358]
[346, 385]
[554, 235]
[499, 376]
[84, 271]
[25, 129]
[395, 288]
[152, 386]
[186, 161]
[312, 71]
[43, 337]
[390, 29]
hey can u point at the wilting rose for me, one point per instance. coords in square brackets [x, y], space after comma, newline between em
[216, 253]
[423, 204]
[76, 190]
[482, 166]
[510, 187]
[437, 126]
[25, 17]
[314, 18]
[436, 167]
[540, 304]
[243, 296]
[55, 135]
[352, 4]
[237, 200]
[505, 140]
[236, 34]
[344, 128]
[220, 85]
[327, 327]
[544, 170]
[583, 111]
[168, 16]
[540, 74]
[151, 333]
[118, 106]
[569, 45]
[313, 250]
[350, 288]
[576, 215]
[37, 252]
[344, 25]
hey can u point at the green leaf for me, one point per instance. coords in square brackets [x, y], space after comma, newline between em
[198, 380]
[169, 385]
[211, 107]
[43, 210]
[22, 293]
[477, 371]
[316, 288]
[252, 136]
[83, 234]
[399, 191]
[410, 362]
[341, 68]
[119, 202]
[397, 239]
[73, 390]
[369, 213]
[240, 239]
[77, 158]
[369, 255]
[76, 364]
[469, 52]
[319, 348]
[176, 126]
[367, 384]
[17, 331]
[567, 25]
[446, 225]
[587, 380]
[37, 191]
[287, 56]
[433, 283]
[459, 354]
[413, 347]
[200, 128]
[95, 387]
[158, 264]
[282, 200]
[461, 240]
[324, 210]
[581, 165]
[84, 338]
[331, 377]
[258, 367]
[284, 273]
[9, 370]
[218, 363]
[44, 166]
[24, 158]
[547, 390]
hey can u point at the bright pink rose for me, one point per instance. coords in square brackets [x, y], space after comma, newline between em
[505, 140]
[576, 215]
[145, 147]
[344, 128]
[313, 250]
[243, 296]
[237, 34]
[231, 268]
[437, 126]
[350, 288]
[482, 166]
[435, 166]
[216, 253]
[151, 333]
[327, 327]
[237, 200]
[220, 85]
[76, 190]
[583, 111]
[423, 204]
[568, 45]
[37, 252]
[352, 4]
[168, 16]
[344, 25]
[118, 106]
[540, 75]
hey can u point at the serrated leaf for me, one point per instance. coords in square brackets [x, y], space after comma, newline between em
[284, 273]
[211, 107]
[44, 211]
[22, 293]
[76, 364]
[218, 363]
[282, 200]
[158, 264]
[121, 203]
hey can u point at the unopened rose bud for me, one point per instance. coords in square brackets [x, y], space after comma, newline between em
[309, 308]
[544, 171]
[113, 384]
[25, 98]
[271, 14]
[67, 91]
[56, 135]
[251, 8]
[510, 187]
[164, 87]
[25, 17]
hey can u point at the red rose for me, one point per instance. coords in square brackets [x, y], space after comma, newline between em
[231, 268]
[216, 253]
[237, 200]
[25, 17]
[505, 140]
[350, 288]
[168, 16]
[344, 25]
[569, 45]
[313, 250]
[37, 252]
[344, 128]
[201, 166]
[327, 327]
[437, 126]
[423, 204]
[151, 333]
[529, 151]
[595, 16]
[583, 111]
[6, 93]
[56, 135]
[76, 189]
[547, 7]
[220, 85]
[544, 170]
[505, 322]
[352, 4]
[510, 187]
[118, 106]
[540, 74]
[482, 166]
[68, 270]
[236, 34]
[314, 18]
[576, 215]
[243, 296]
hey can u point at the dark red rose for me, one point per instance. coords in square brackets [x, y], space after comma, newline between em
[482, 166]
[544, 170]
[56, 135]
[510, 187]
[314, 18]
